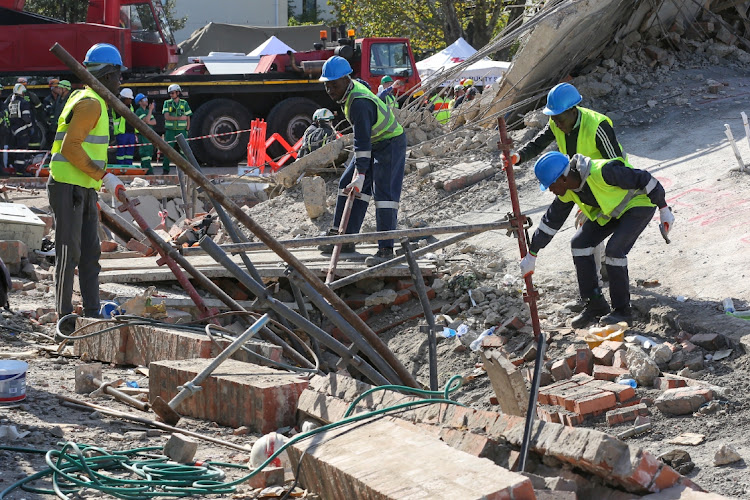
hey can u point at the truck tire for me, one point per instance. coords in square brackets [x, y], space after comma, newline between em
[290, 118]
[219, 116]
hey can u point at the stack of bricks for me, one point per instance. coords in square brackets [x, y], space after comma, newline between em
[497, 436]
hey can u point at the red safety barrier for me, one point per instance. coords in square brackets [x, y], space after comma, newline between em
[258, 145]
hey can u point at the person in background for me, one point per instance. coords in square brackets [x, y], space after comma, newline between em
[5, 168]
[145, 111]
[388, 94]
[319, 133]
[64, 90]
[124, 132]
[21, 125]
[77, 171]
[48, 104]
[176, 113]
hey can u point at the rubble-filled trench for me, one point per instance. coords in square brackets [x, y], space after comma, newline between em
[687, 357]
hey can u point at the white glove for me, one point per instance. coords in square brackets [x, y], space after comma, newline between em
[514, 158]
[527, 265]
[667, 218]
[113, 184]
[357, 182]
[580, 219]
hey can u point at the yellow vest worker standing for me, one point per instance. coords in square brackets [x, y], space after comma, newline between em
[176, 113]
[377, 168]
[77, 172]
[618, 202]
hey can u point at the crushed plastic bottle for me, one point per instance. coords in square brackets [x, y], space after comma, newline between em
[728, 305]
[477, 344]
[132, 383]
[450, 332]
[628, 381]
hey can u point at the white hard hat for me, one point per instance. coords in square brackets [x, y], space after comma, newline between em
[174, 88]
[322, 114]
[19, 88]
[126, 93]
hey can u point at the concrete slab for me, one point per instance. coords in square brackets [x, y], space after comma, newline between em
[18, 222]
[236, 394]
[507, 382]
[333, 466]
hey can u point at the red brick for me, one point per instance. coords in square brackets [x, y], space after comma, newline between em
[688, 346]
[603, 355]
[596, 403]
[572, 419]
[570, 396]
[561, 370]
[665, 478]
[584, 360]
[404, 284]
[664, 383]
[548, 415]
[514, 323]
[618, 360]
[431, 294]
[626, 414]
[602, 372]
[402, 296]
[622, 392]
[642, 475]
[554, 394]
[270, 476]
[236, 394]
[12, 251]
[709, 341]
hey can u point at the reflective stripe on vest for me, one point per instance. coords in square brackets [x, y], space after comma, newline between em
[586, 144]
[386, 126]
[95, 144]
[613, 201]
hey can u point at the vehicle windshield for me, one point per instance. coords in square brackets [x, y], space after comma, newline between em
[390, 59]
[142, 22]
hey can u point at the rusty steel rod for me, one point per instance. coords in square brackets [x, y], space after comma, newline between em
[87, 78]
[396, 234]
[331, 274]
[519, 221]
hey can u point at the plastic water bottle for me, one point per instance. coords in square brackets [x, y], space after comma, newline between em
[728, 305]
[628, 381]
[477, 344]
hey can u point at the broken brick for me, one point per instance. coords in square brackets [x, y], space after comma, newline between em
[618, 360]
[709, 341]
[664, 383]
[627, 414]
[683, 401]
[514, 323]
[584, 360]
[602, 372]
[560, 370]
[595, 404]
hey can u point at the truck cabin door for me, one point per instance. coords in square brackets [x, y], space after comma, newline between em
[392, 58]
[154, 47]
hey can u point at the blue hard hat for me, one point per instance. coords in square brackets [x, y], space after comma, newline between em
[562, 97]
[102, 54]
[334, 68]
[139, 97]
[549, 168]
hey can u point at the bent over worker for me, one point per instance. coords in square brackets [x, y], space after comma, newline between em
[377, 168]
[77, 172]
[319, 133]
[617, 200]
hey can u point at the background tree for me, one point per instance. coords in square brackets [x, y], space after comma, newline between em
[430, 24]
[176, 23]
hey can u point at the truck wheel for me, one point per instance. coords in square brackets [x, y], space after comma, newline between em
[290, 118]
[219, 116]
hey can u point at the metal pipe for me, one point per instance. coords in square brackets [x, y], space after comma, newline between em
[353, 278]
[303, 312]
[220, 294]
[329, 312]
[234, 209]
[228, 223]
[730, 137]
[363, 237]
[312, 330]
[342, 230]
[416, 277]
[192, 386]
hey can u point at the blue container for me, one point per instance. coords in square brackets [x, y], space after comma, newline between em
[628, 381]
[109, 309]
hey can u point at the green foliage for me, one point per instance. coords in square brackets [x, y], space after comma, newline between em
[70, 11]
[176, 23]
[309, 17]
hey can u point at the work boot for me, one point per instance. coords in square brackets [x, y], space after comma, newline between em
[596, 307]
[619, 315]
[575, 306]
[327, 248]
[384, 254]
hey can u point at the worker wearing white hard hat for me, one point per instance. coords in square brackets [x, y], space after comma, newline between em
[176, 113]
[124, 132]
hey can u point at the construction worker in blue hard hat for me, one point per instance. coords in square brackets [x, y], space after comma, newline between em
[618, 202]
[377, 168]
[177, 114]
[77, 171]
[145, 111]
[319, 133]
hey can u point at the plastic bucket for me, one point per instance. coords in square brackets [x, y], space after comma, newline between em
[12, 380]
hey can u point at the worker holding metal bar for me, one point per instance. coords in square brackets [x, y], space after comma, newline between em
[77, 172]
[377, 168]
[618, 201]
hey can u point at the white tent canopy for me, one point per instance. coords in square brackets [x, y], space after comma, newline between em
[485, 71]
[271, 46]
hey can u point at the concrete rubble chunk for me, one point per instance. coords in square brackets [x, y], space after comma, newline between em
[507, 382]
[683, 401]
[314, 196]
[643, 369]
[181, 448]
[726, 455]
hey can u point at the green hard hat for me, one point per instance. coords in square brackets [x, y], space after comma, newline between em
[386, 79]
